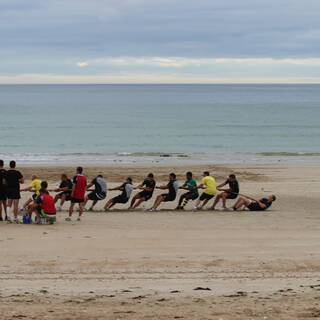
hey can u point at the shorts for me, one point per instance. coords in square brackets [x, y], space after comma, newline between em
[51, 217]
[66, 194]
[254, 206]
[168, 197]
[206, 196]
[231, 195]
[190, 195]
[96, 196]
[3, 195]
[74, 200]
[119, 199]
[146, 195]
[13, 194]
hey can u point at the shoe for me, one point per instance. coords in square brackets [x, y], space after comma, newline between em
[59, 209]
[67, 219]
[78, 219]
[90, 209]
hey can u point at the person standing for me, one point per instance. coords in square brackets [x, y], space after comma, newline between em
[3, 191]
[14, 179]
[78, 192]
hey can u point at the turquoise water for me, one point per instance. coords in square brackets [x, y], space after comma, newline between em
[160, 123]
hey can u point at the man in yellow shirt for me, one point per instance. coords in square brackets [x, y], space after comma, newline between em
[34, 187]
[209, 185]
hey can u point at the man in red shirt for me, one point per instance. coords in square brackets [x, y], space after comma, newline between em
[78, 192]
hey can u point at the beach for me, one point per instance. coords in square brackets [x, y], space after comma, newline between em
[168, 264]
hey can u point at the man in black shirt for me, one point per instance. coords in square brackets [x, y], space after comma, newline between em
[14, 179]
[147, 187]
[3, 191]
[65, 189]
[254, 204]
[231, 193]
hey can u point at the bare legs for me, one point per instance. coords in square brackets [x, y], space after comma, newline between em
[242, 201]
[3, 204]
[15, 204]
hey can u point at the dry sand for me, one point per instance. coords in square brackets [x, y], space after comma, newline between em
[139, 265]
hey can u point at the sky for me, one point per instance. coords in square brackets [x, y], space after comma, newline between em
[159, 41]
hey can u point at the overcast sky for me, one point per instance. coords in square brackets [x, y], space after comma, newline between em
[112, 41]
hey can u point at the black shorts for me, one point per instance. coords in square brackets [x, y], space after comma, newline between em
[206, 196]
[13, 194]
[119, 199]
[168, 197]
[190, 195]
[67, 195]
[254, 206]
[74, 200]
[145, 194]
[231, 195]
[96, 196]
[3, 196]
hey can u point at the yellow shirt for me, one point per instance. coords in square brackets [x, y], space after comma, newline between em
[210, 183]
[36, 186]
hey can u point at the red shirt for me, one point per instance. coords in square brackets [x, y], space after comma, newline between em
[80, 187]
[47, 204]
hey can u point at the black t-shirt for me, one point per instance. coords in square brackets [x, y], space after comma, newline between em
[150, 184]
[3, 180]
[233, 185]
[66, 184]
[13, 179]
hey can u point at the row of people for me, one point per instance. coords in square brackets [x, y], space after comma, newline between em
[74, 190]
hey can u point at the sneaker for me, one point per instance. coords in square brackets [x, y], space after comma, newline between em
[67, 219]
[78, 219]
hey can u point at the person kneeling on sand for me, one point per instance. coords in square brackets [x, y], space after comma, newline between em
[45, 207]
[147, 187]
[172, 186]
[124, 197]
[99, 192]
[231, 193]
[254, 204]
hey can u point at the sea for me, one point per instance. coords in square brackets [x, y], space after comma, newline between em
[109, 124]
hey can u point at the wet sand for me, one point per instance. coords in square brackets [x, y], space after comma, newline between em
[171, 265]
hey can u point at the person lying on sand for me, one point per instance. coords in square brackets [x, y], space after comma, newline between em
[208, 183]
[64, 190]
[99, 192]
[254, 204]
[231, 193]
[124, 197]
[148, 185]
[192, 194]
[172, 186]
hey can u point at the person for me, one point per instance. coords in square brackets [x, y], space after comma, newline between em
[172, 186]
[3, 191]
[34, 187]
[124, 197]
[209, 185]
[147, 187]
[254, 204]
[192, 194]
[65, 189]
[79, 188]
[45, 206]
[231, 193]
[14, 179]
[99, 192]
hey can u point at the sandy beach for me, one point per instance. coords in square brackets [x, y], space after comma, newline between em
[171, 265]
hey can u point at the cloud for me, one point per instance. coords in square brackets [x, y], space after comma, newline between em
[183, 62]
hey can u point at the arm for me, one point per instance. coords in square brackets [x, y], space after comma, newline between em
[27, 189]
[201, 186]
[222, 185]
[162, 187]
[116, 188]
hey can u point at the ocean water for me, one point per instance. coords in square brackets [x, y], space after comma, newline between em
[159, 123]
